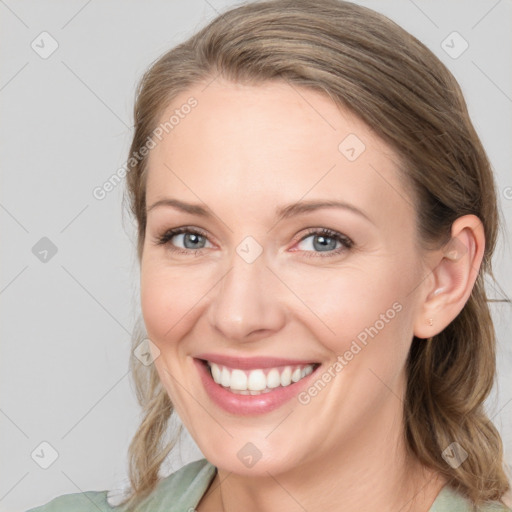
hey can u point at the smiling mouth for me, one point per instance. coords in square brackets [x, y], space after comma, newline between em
[258, 381]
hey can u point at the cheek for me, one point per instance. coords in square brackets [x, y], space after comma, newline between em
[170, 299]
[363, 302]
[356, 304]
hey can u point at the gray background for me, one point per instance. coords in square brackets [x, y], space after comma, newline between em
[66, 321]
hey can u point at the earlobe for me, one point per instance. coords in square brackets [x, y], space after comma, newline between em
[452, 278]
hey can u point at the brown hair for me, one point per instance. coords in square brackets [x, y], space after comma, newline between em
[366, 63]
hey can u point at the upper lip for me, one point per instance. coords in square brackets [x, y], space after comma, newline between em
[251, 363]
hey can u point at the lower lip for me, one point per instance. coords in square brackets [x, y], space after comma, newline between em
[246, 405]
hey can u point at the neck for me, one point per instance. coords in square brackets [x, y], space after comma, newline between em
[372, 472]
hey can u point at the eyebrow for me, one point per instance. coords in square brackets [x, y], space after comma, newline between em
[281, 213]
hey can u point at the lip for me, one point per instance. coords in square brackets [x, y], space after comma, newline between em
[252, 363]
[248, 405]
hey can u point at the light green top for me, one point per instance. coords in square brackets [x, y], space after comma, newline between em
[182, 491]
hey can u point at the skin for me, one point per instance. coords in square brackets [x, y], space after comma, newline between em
[243, 152]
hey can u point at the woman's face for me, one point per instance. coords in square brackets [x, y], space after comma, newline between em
[268, 289]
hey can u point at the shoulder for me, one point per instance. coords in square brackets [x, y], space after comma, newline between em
[450, 500]
[90, 501]
[179, 491]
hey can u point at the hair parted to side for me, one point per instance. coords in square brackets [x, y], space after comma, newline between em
[366, 63]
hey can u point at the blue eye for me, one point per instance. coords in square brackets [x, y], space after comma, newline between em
[192, 239]
[324, 242]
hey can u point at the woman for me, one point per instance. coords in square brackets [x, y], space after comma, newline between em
[315, 218]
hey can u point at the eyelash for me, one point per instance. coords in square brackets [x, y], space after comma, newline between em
[346, 242]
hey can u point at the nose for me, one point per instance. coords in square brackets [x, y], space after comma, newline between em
[245, 305]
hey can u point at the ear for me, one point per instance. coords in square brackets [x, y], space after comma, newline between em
[455, 268]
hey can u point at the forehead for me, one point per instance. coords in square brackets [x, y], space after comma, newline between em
[253, 145]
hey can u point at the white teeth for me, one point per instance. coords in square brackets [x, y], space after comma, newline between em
[255, 382]
[238, 380]
[225, 377]
[216, 372]
[286, 376]
[273, 378]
